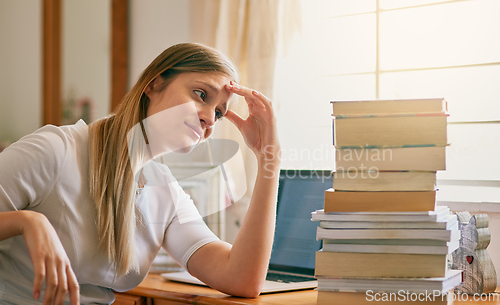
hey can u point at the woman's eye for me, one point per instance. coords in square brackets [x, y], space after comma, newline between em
[201, 94]
[218, 114]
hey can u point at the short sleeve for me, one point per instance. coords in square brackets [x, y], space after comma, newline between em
[30, 167]
[187, 232]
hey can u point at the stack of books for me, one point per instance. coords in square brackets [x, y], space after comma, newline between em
[384, 238]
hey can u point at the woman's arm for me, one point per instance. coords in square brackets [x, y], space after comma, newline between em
[50, 262]
[11, 224]
[241, 269]
[28, 169]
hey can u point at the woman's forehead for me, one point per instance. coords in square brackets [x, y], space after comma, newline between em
[215, 79]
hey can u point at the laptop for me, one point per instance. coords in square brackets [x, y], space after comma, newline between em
[291, 266]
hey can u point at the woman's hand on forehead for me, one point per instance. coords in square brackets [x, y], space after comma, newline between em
[259, 129]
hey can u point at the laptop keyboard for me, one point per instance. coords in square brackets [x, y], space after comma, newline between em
[285, 278]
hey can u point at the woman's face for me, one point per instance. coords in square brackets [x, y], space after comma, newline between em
[185, 112]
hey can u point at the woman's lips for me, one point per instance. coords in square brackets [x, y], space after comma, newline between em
[197, 131]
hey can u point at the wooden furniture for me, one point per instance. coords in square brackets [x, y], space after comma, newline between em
[52, 109]
[52, 57]
[162, 292]
[155, 290]
[128, 299]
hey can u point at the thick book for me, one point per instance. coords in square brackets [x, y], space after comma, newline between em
[439, 214]
[384, 181]
[396, 248]
[444, 284]
[446, 235]
[402, 106]
[447, 223]
[372, 265]
[390, 131]
[348, 201]
[391, 242]
[431, 158]
[386, 298]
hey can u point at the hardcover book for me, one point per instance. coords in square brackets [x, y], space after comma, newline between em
[373, 265]
[384, 181]
[371, 107]
[446, 223]
[452, 279]
[439, 214]
[446, 235]
[431, 158]
[396, 248]
[348, 201]
[390, 131]
[371, 297]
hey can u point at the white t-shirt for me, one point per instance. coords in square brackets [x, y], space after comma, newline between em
[48, 172]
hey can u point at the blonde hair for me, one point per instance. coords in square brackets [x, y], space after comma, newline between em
[112, 183]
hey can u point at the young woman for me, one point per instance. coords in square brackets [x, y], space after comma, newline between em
[79, 216]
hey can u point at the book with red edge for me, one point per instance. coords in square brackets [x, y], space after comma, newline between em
[409, 130]
[389, 106]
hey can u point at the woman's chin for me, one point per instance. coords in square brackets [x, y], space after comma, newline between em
[185, 150]
[185, 146]
[177, 148]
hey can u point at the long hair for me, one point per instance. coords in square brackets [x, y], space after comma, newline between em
[112, 183]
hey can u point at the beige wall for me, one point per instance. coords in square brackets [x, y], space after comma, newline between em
[86, 53]
[154, 26]
[20, 72]
[85, 61]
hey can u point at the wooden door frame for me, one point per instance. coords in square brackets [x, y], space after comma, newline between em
[119, 51]
[51, 57]
[51, 62]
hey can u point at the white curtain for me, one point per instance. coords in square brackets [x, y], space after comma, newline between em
[251, 33]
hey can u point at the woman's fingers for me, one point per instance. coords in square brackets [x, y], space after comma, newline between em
[39, 269]
[51, 264]
[60, 279]
[245, 92]
[259, 129]
[265, 100]
[51, 283]
[62, 285]
[234, 118]
[73, 287]
[252, 97]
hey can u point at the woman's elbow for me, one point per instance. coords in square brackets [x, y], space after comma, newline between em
[249, 288]
[249, 291]
[251, 294]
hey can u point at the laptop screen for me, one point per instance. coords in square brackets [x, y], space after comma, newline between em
[300, 193]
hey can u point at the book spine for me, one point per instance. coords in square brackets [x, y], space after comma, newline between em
[427, 158]
[358, 265]
[386, 115]
[390, 130]
[383, 234]
[390, 248]
[395, 181]
[336, 201]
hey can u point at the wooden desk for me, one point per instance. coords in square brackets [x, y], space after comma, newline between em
[165, 292]
[155, 290]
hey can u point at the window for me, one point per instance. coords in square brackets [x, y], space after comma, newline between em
[390, 49]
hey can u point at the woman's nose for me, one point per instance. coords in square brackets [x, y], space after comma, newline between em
[207, 116]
